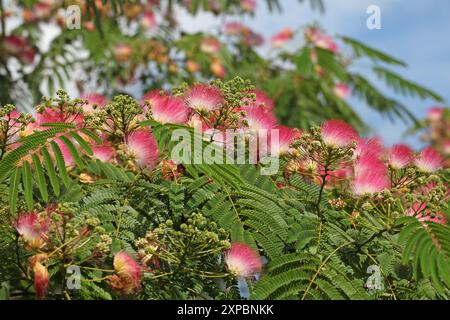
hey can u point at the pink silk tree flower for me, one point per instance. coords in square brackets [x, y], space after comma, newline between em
[129, 272]
[342, 91]
[148, 20]
[210, 45]
[435, 113]
[204, 98]
[370, 182]
[14, 44]
[282, 37]
[94, 101]
[400, 156]
[429, 160]
[261, 100]
[41, 279]
[257, 119]
[368, 146]
[248, 5]
[104, 153]
[338, 134]
[31, 230]
[368, 163]
[218, 69]
[142, 147]
[286, 136]
[167, 109]
[233, 28]
[242, 261]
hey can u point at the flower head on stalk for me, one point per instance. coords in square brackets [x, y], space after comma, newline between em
[242, 261]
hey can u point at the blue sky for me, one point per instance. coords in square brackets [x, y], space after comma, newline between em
[416, 31]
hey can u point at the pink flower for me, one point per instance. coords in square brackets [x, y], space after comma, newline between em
[282, 37]
[368, 146]
[148, 20]
[104, 153]
[233, 28]
[342, 91]
[122, 52]
[128, 278]
[286, 137]
[429, 160]
[242, 261]
[218, 69]
[142, 146]
[400, 156]
[68, 158]
[261, 100]
[15, 44]
[420, 211]
[338, 134]
[368, 163]
[321, 40]
[167, 109]
[210, 45]
[248, 5]
[93, 99]
[446, 147]
[370, 182]
[435, 113]
[204, 97]
[31, 230]
[258, 118]
[41, 279]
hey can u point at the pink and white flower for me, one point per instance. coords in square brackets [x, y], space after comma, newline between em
[41, 279]
[370, 182]
[282, 37]
[242, 261]
[31, 229]
[205, 98]
[94, 101]
[210, 45]
[261, 100]
[128, 278]
[368, 146]
[248, 5]
[142, 147]
[148, 20]
[338, 134]
[435, 113]
[258, 119]
[429, 160]
[321, 40]
[400, 156]
[286, 136]
[167, 109]
[342, 91]
[104, 153]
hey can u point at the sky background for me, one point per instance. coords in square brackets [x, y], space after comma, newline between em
[416, 31]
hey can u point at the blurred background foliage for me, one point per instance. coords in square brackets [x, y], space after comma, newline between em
[135, 46]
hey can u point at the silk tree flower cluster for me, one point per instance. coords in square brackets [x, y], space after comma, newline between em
[353, 173]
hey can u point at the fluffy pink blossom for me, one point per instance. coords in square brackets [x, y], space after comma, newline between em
[286, 137]
[261, 100]
[342, 91]
[337, 133]
[368, 146]
[93, 99]
[218, 69]
[435, 113]
[282, 37]
[242, 261]
[446, 147]
[210, 45]
[142, 147]
[370, 182]
[258, 118]
[368, 163]
[128, 278]
[233, 28]
[321, 40]
[104, 152]
[41, 279]
[422, 213]
[202, 97]
[429, 160]
[14, 44]
[31, 230]
[148, 20]
[248, 5]
[167, 109]
[400, 156]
